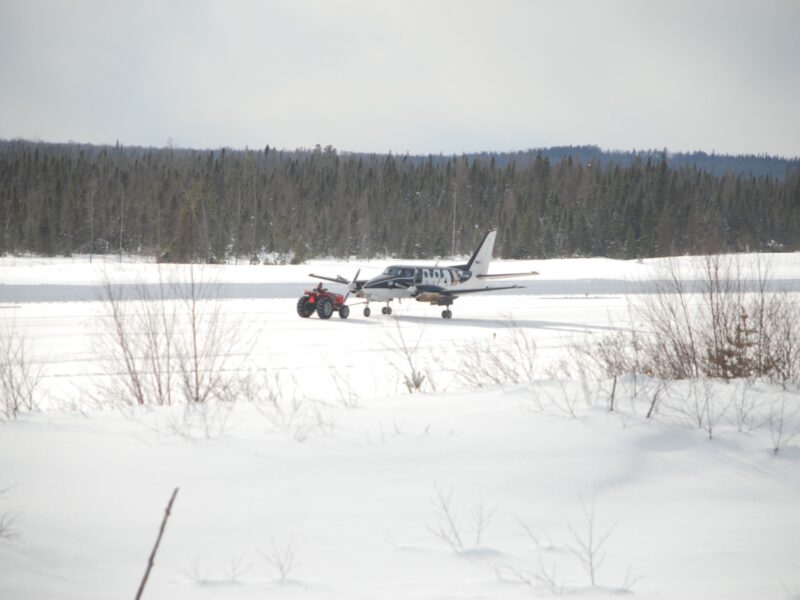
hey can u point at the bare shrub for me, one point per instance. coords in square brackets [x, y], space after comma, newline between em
[744, 405]
[704, 405]
[272, 398]
[541, 540]
[20, 377]
[657, 388]
[607, 360]
[590, 385]
[566, 399]
[509, 359]
[195, 573]
[386, 434]
[8, 528]
[169, 342]
[408, 362]
[137, 335]
[323, 417]
[587, 542]
[783, 419]
[346, 394]
[447, 527]
[236, 568]
[281, 557]
[200, 419]
[728, 326]
[542, 578]
[8, 521]
[287, 411]
[207, 344]
[481, 514]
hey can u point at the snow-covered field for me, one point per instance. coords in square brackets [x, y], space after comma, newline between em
[345, 485]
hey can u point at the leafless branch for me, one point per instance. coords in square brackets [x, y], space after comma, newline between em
[587, 543]
[446, 528]
[409, 364]
[281, 558]
[481, 516]
[8, 528]
[151, 560]
[20, 376]
[783, 426]
[235, 568]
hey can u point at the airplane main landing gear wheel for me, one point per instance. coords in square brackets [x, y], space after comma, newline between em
[367, 311]
[447, 314]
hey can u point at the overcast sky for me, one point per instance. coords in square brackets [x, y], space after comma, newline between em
[407, 76]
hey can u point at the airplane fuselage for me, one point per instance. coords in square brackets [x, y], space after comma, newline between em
[423, 283]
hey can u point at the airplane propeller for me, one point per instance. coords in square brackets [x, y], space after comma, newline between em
[352, 286]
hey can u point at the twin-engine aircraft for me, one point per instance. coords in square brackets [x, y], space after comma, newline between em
[437, 285]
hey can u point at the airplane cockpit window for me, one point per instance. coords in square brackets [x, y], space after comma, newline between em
[398, 272]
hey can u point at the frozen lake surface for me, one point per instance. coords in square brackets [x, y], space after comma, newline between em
[344, 468]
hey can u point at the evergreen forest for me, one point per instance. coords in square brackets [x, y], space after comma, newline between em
[223, 205]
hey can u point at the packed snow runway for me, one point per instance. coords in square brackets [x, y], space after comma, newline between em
[323, 477]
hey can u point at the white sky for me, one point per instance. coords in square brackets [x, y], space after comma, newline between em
[413, 76]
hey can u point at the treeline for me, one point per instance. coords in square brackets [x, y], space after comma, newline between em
[214, 206]
[717, 164]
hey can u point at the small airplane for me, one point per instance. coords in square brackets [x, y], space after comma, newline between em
[439, 286]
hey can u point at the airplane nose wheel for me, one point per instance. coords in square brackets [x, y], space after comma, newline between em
[386, 310]
[367, 311]
[447, 314]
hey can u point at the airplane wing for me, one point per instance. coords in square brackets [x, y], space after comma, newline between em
[502, 275]
[458, 292]
[339, 279]
[435, 290]
[444, 297]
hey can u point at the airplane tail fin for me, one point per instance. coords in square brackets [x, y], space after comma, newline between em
[480, 259]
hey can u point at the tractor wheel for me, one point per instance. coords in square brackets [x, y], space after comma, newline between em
[344, 311]
[304, 308]
[325, 308]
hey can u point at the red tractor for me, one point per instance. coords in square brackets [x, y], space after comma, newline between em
[323, 302]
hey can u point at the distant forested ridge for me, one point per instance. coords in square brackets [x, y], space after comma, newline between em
[214, 206]
[716, 164]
